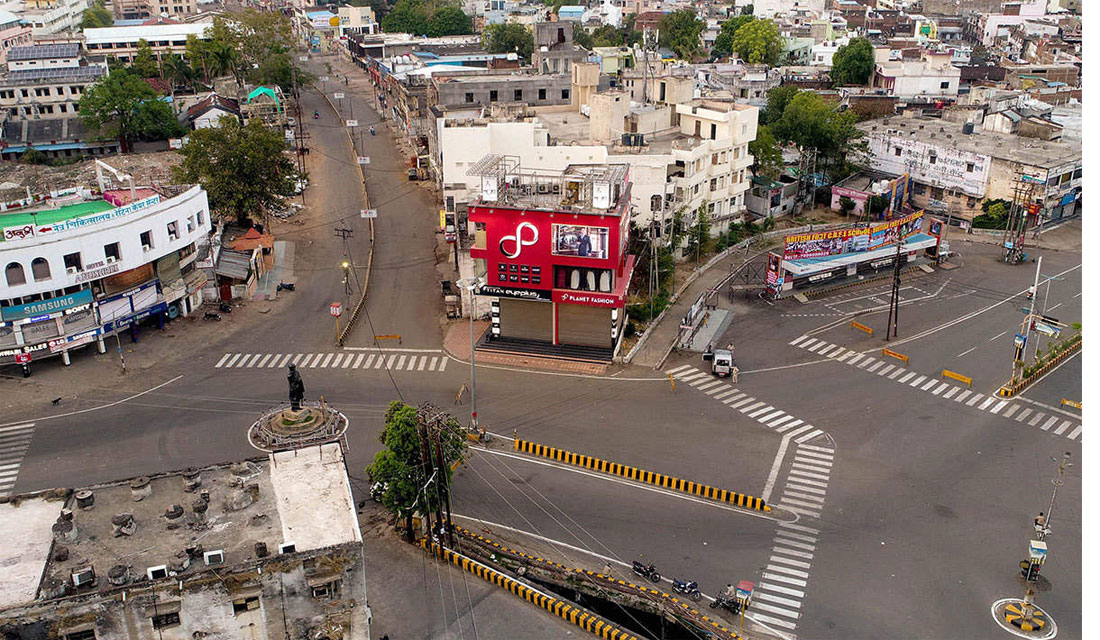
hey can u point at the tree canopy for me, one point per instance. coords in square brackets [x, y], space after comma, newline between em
[113, 102]
[811, 123]
[449, 20]
[242, 168]
[250, 45]
[767, 157]
[507, 38]
[155, 120]
[144, 64]
[409, 484]
[853, 63]
[681, 31]
[777, 103]
[723, 43]
[98, 15]
[758, 42]
[427, 17]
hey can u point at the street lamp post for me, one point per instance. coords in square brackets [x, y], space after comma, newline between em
[471, 284]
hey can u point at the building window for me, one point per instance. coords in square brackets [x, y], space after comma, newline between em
[714, 184]
[932, 158]
[40, 269]
[173, 230]
[198, 216]
[146, 240]
[469, 97]
[1077, 173]
[897, 151]
[492, 95]
[937, 193]
[166, 620]
[112, 252]
[713, 131]
[944, 85]
[64, 108]
[87, 634]
[14, 274]
[517, 95]
[970, 167]
[918, 188]
[73, 262]
[241, 605]
[190, 224]
[327, 591]
[565, 94]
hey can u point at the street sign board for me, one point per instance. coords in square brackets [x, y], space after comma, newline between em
[335, 309]
[338, 95]
[1020, 340]
[363, 159]
[368, 213]
[22, 358]
[289, 134]
[303, 58]
[352, 123]
[1046, 330]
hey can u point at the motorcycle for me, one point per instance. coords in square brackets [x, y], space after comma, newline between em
[316, 115]
[288, 286]
[731, 604]
[689, 589]
[372, 131]
[210, 315]
[225, 307]
[647, 571]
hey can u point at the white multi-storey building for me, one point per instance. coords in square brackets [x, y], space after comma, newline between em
[82, 264]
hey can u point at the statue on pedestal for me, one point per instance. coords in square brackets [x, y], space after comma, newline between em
[297, 388]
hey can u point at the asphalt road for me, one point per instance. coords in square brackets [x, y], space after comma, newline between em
[926, 509]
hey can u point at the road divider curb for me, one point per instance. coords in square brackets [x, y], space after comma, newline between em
[967, 380]
[643, 476]
[1009, 389]
[862, 327]
[570, 613]
[894, 354]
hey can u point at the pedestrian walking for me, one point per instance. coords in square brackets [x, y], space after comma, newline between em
[607, 569]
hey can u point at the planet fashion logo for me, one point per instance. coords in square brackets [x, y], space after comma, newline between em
[518, 241]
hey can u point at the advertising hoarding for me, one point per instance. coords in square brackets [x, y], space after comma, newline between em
[840, 241]
[580, 241]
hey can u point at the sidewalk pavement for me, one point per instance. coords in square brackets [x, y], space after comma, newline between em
[665, 332]
[456, 343]
[282, 271]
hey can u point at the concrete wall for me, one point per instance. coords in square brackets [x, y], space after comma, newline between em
[480, 91]
[953, 169]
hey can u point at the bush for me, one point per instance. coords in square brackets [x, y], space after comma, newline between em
[631, 330]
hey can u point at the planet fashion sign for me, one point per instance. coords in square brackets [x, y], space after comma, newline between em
[24, 231]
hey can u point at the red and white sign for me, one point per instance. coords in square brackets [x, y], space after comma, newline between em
[335, 309]
[22, 358]
[587, 298]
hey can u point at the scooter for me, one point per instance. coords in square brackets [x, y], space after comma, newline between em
[647, 571]
[288, 286]
[689, 589]
[316, 115]
[733, 605]
[225, 307]
[372, 131]
[210, 315]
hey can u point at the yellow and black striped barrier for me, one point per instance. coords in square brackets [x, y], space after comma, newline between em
[862, 327]
[685, 608]
[643, 476]
[1015, 616]
[1071, 403]
[575, 615]
[967, 380]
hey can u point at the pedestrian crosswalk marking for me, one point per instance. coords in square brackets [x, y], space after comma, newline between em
[338, 360]
[847, 355]
[14, 442]
[735, 397]
[778, 589]
[775, 622]
[1062, 427]
[809, 436]
[859, 356]
[763, 595]
[788, 426]
[1076, 431]
[752, 406]
[931, 383]
[681, 368]
[917, 381]
[1011, 410]
[800, 430]
[358, 359]
[814, 454]
[906, 377]
[989, 401]
[761, 412]
[1046, 426]
[950, 392]
[780, 421]
[792, 484]
[897, 373]
[878, 365]
[776, 610]
[1038, 416]
[975, 399]
[1023, 414]
[807, 474]
[867, 362]
[997, 408]
[222, 361]
[747, 399]
[789, 571]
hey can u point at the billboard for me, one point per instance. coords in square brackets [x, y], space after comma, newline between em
[831, 243]
[580, 241]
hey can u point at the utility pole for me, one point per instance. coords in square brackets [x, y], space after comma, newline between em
[1015, 233]
[892, 317]
[1057, 482]
[446, 484]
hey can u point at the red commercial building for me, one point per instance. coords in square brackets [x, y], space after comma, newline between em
[553, 251]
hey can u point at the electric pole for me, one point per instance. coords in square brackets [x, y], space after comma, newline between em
[1057, 482]
[892, 317]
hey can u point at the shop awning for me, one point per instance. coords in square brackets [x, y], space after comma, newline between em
[810, 266]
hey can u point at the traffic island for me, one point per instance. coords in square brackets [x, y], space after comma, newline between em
[285, 427]
[1015, 387]
[1024, 619]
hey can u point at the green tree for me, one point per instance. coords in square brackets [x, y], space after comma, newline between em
[199, 56]
[409, 484]
[747, 10]
[876, 205]
[723, 43]
[407, 16]
[144, 64]
[605, 36]
[767, 157]
[853, 63]
[995, 216]
[154, 120]
[96, 16]
[175, 69]
[699, 234]
[583, 38]
[778, 98]
[450, 21]
[847, 205]
[507, 38]
[758, 42]
[113, 101]
[810, 123]
[242, 168]
[681, 31]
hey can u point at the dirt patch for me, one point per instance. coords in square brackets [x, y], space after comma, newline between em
[146, 168]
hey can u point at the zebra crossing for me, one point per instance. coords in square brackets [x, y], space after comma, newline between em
[783, 582]
[436, 362]
[767, 415]
[14, 442]
[1056, 423]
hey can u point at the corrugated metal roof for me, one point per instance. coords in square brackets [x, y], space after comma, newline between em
[234, 264]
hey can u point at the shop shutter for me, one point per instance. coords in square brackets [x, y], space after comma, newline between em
[526, 320]
[590, 326]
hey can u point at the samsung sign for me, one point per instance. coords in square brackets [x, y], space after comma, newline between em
[46, 307]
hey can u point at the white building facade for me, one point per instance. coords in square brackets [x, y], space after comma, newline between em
[70, 280]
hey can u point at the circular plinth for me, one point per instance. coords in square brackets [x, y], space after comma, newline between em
[1009, 614]
[282, 428]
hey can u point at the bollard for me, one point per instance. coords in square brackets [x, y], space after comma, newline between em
[672, 381]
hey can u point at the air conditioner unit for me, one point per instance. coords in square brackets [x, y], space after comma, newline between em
[145, 247]
[71, 271]
[82, 576]
[111, 259]
[555, 189]
[543, 188]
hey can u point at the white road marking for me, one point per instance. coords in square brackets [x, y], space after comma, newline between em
[1062, 427]
[985, 405]
[807, 474]
[778, 589]
[443, 364]
[788, 426]
[917, 381]
[337, 360]
[966, 352]
[745, 400]
[868, 361]
[786, 579]
[798, 340]
[1054, 307]
[997, 336]
[1073, 434]
[907, 376]
[796, 536]
[814, 454]
[679, 368]
[752, 406]
[1011, 410]
[811, 344]
[1023, 414]
[778, 599]
[790, 493]
[760, 412]
[232, 360]
[887, 369]
[734, 398]
[771, 416]
[928, 385]
[859, 356]
[950, 392]
[222, 361]
[412, 363]
[809, 436]
[1000, 405]
[369, 360]
[726, 392]
[963, 395]
[799, 527]
[938, 390]
[897, 373]
[776, 423]
[785, 501]
[846, 356]
[796, 485]
[761, 618]
[1038, 416]
[878, 365]
[327, 358]
[1046, 425]
[971, 402]
[787, 570]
